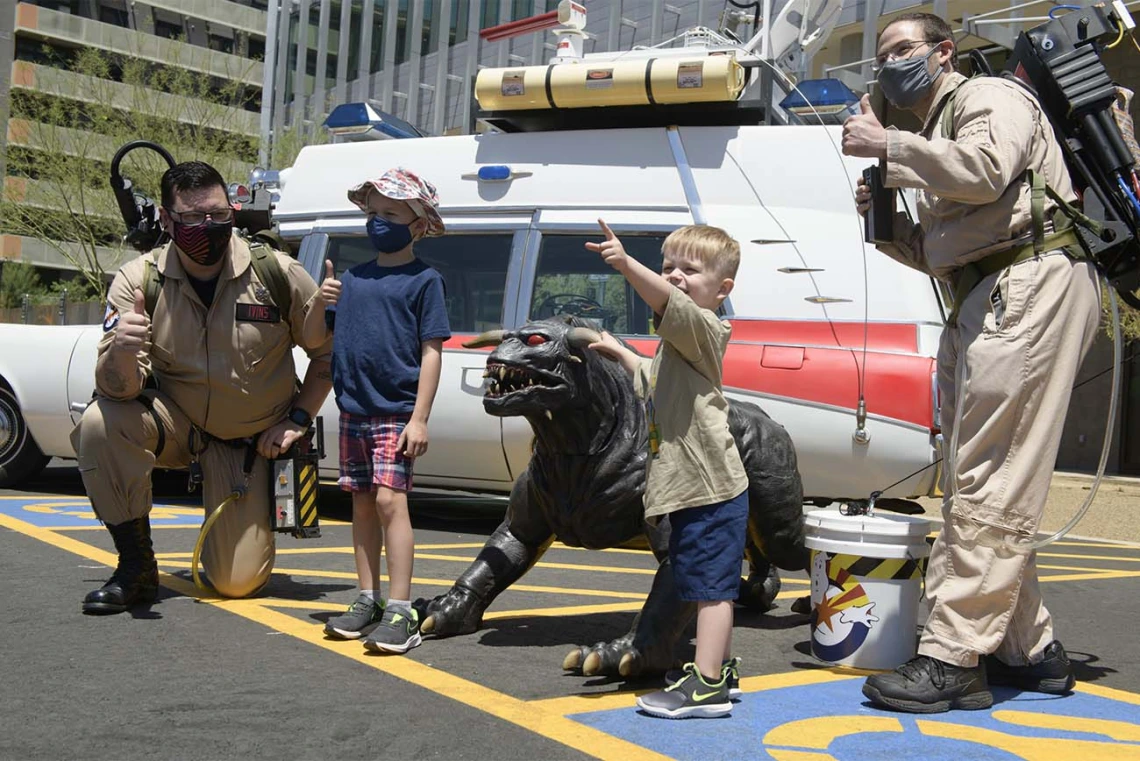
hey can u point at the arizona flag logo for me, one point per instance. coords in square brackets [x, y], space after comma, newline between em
[110, 318]
[840, 613]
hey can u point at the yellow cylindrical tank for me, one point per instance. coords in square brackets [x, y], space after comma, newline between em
[635, 82]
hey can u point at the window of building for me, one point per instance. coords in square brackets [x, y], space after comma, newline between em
[573, 280]
[378, 42]
[521, 9]
[490, 16]
[63, 6]
[168, 29]
[113, 13]
[257, 48]
[474, 269]
[460, 11]
[403, 42]
[220, 43]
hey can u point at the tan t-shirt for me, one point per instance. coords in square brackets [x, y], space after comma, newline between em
[696, 462]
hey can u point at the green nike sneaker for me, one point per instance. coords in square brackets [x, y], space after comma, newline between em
[397, 632]
[690, 697]
[362, 617]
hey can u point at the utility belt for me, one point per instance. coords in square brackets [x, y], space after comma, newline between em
[967, 277]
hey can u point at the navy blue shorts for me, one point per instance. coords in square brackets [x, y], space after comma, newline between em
[706, 548]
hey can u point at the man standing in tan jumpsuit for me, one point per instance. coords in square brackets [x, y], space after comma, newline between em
[1025, 317]
[183, 387]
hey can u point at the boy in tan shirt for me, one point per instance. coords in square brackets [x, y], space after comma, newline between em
[695, 473]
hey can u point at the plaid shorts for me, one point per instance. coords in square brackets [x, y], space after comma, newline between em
[368, 456]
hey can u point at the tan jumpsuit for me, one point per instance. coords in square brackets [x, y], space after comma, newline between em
[232, 378]
[1005, 371]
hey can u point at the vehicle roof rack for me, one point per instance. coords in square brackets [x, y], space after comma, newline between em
[716, 114]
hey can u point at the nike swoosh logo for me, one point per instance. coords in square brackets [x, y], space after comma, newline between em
[700, 697]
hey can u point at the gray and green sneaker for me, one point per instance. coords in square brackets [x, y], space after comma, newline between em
[690, 697]
[729, 669]
[398, 631]
[362, 616]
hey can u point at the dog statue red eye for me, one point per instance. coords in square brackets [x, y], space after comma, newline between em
[535, 340]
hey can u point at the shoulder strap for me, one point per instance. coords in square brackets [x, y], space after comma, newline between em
[152, 285]
[269, 272]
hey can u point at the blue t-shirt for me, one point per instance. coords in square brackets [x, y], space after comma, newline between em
[383, 316]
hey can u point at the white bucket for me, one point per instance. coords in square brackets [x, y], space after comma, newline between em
[866, 579]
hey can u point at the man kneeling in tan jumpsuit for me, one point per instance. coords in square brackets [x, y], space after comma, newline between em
[182, 388]
[1026, 315]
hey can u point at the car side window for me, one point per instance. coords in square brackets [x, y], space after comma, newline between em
[570, 279]
[474, 269]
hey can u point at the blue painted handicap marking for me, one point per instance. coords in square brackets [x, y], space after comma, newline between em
[832, 722]
[51, 511]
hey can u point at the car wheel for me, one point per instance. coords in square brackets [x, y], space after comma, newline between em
[20, 457]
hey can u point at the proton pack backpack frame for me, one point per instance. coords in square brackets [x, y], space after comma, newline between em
[1060, 62]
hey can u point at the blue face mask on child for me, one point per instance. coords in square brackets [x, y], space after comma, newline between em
[388, 237]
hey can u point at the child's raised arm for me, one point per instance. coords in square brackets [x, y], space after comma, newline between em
[650, 286]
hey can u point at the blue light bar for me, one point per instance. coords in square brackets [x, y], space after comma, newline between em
[363, 121]
[826, 101]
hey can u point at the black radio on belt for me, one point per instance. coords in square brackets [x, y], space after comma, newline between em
[879, 221]
[294, 487]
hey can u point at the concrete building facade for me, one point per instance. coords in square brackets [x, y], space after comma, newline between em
[214, 38]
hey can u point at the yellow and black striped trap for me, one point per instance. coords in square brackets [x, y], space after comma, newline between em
[295, 491]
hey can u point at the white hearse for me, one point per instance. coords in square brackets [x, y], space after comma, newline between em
[824, 327]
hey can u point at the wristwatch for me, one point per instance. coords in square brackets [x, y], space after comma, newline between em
[299, 417]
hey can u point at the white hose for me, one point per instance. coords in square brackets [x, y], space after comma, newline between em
[1008, 541]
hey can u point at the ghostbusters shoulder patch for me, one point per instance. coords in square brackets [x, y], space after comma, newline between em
[110, 317]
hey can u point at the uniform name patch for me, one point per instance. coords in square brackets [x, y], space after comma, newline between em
[257, 313]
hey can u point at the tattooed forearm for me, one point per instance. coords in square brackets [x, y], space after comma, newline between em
[114, 381]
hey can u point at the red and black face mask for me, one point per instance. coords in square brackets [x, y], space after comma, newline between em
[205, 244]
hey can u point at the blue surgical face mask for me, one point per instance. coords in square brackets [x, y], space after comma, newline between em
[388, 237]
[906, 81]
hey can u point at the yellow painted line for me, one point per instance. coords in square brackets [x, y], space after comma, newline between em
[619, 550]
[521, 713]
[448, 582]
[1091, 576]
[575, 704]
[579, 610]
[1108, 692]
[1087, 557]
[154, 527]
[1121, 545]
[1085, 569]
[326, 550]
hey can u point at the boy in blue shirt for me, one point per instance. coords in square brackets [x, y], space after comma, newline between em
[390, 323]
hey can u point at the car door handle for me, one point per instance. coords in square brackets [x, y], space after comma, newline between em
[475, 389]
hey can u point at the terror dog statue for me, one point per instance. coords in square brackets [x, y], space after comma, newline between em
[584, 487]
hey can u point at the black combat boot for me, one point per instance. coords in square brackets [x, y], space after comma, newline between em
[135, 580]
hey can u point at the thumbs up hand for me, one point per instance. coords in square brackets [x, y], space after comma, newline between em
[863, 135]
[330, 286]
[611, 249]
[134, 327]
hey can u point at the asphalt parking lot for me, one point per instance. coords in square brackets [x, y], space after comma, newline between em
[195, 677]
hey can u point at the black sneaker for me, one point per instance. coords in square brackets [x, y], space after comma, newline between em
[928, 685]
[690, 697]
[398, 631]
[1053, 675]
[362, 617]
[729, 669]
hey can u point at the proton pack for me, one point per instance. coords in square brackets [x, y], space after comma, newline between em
[1060, 62]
